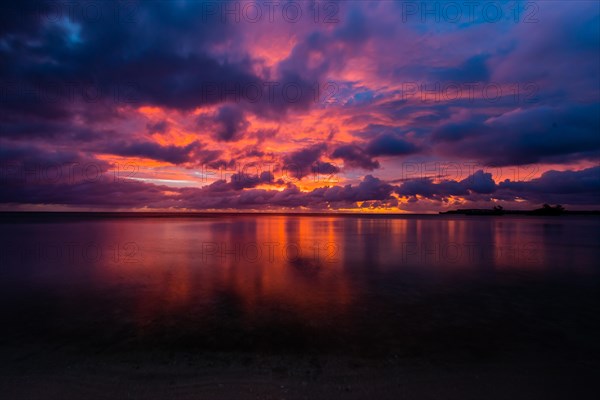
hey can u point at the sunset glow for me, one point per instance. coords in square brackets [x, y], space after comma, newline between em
[299, 199]
[355, 106]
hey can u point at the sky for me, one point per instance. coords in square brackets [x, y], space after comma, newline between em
[355, 106]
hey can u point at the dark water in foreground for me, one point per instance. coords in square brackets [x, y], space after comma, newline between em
[435, 288]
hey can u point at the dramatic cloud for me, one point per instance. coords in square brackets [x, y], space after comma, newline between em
[158, 127]
[171, 154]
[527, 136]
[232, 123]
[479, 182]
[391, 145]
[355, 157]
[307, 161]
[562, 187]
[165, 105]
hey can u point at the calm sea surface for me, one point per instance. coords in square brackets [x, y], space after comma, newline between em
[416, 286]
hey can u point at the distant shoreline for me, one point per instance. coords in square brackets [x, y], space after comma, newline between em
[20, 215]
[540, 212]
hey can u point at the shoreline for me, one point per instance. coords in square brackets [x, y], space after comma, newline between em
[14, 215]
[60, 374]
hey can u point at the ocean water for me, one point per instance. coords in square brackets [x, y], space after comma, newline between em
[411, 287]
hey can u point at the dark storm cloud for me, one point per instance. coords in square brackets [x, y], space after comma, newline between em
[525, 136]
[383, 140]
[473, 69]
[231, 123]
[56, 66]
[307, 161]
[564, 187]
[172, 154]
[355, 157]
[561, 187]
[355, 27]
[480, 183]
[158, 127]
[557, 187]
[32, 165]
[237, 193]
[103, 193]
[224, 195]
[390, 144]
[242, 180]
[454, 132]
[370, 188]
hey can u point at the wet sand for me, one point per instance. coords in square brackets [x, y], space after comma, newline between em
[226, 377]
[521, 340]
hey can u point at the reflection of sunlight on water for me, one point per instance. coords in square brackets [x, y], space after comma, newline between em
[291, 262]
[512, 246]
[314, 269]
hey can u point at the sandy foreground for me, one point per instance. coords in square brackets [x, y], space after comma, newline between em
[61, 373]
[543, 348]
